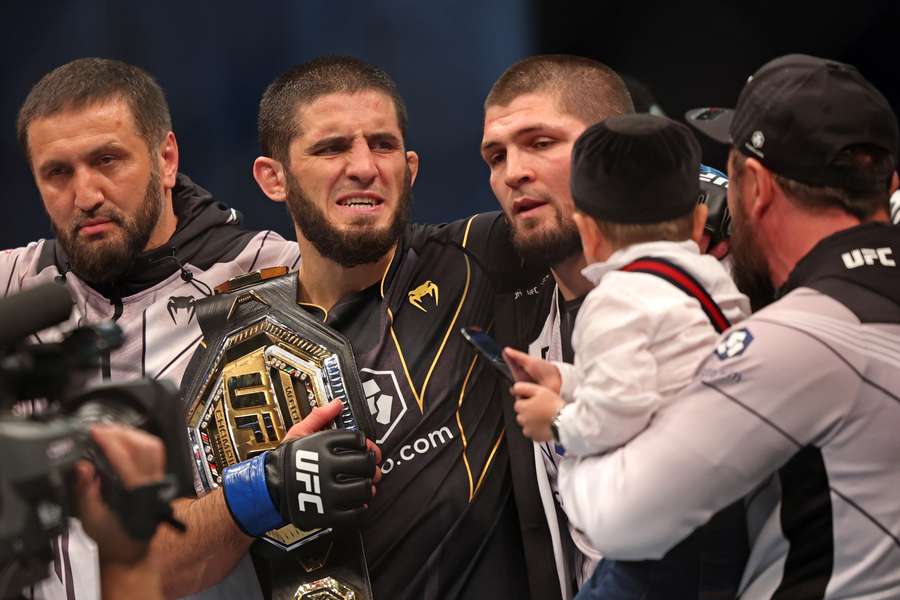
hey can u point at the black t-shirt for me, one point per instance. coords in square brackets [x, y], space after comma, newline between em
[443, 523]
[568, 312]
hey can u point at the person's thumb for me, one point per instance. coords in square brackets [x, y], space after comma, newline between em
[315, 421]
[517, 362]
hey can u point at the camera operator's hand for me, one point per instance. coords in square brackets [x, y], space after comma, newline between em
[322, 479]
[138, 458]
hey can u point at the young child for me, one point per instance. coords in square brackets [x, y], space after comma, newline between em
[639, 335]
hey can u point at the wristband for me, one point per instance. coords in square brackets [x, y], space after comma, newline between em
[554, 430]
[247, 496]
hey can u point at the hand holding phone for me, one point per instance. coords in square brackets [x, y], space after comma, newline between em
[529, 368]
[488, 348]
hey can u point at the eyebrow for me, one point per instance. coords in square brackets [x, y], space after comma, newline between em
[487, 146]
[110, 146]
[328, 141]
[347, 140]
[50, 165]
[107, 147]
[382, 136]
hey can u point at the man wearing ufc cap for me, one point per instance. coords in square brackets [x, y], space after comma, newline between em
[798, 408]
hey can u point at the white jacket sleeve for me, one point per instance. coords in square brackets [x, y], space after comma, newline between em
[615, 385]
[743, 418]
[13, 266]
[568, 378]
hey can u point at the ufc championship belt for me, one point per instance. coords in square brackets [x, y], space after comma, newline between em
[265, 366]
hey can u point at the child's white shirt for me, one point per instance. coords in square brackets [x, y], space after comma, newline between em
[637, 340]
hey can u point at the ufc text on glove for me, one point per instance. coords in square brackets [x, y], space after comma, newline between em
[321, 480]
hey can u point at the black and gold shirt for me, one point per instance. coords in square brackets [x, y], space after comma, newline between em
[443, 523]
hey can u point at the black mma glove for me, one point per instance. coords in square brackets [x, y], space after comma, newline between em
[321, 480]
[714, 193]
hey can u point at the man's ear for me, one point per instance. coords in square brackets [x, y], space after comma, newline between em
[412, 161]
[760, 191]
[270, 177]
[168, 161]
[700, 213]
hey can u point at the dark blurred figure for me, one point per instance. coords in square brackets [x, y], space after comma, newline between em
[643, 98]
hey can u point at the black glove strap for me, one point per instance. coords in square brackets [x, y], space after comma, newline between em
[143, 508]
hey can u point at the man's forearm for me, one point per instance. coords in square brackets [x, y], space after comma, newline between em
[206, 552]
[139, 581]
[213, 543]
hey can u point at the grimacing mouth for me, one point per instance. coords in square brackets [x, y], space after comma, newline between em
[362, 199]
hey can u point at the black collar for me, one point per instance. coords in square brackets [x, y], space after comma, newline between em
[866, 255]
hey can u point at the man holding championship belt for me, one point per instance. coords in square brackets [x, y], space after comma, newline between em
[443, 523]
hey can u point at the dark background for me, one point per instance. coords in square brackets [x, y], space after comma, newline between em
[214, 60]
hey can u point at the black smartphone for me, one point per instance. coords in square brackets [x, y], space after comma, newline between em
[488, 348]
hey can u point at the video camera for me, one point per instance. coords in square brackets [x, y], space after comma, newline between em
[46, 411]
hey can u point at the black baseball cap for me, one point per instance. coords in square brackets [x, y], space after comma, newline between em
[636, 169]
[797, 112]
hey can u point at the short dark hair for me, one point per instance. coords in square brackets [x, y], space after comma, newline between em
[585, 88]
[620, 235]
[88, 81]
[857, 159]
[304, 83]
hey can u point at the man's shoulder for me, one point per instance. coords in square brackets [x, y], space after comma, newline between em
[251, 251]
[471, 230]
[483, 237]
[804, 305]
[485, 240]
[803, 331]
[827, 322]
[26, 260]
[271, 245]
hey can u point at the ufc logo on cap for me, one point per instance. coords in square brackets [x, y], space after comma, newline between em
[868, 256]
[307, 465]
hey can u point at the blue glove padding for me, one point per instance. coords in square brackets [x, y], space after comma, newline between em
[247, 497]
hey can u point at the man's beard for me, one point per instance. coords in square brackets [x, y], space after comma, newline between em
[549, 246]
[749, 267]
[105, 260]
[360, 243]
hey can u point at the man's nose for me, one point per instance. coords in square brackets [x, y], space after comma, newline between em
[518, 171]
[88, 193]
[361, 163]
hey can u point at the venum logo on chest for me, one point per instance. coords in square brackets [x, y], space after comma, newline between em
[426, 295]
[181, 309]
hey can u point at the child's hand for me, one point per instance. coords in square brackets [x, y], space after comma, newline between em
[536, 407]
[529, 368]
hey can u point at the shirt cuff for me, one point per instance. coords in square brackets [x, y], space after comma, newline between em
[568, 381]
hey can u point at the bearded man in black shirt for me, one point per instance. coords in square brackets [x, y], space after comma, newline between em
[444, 522]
